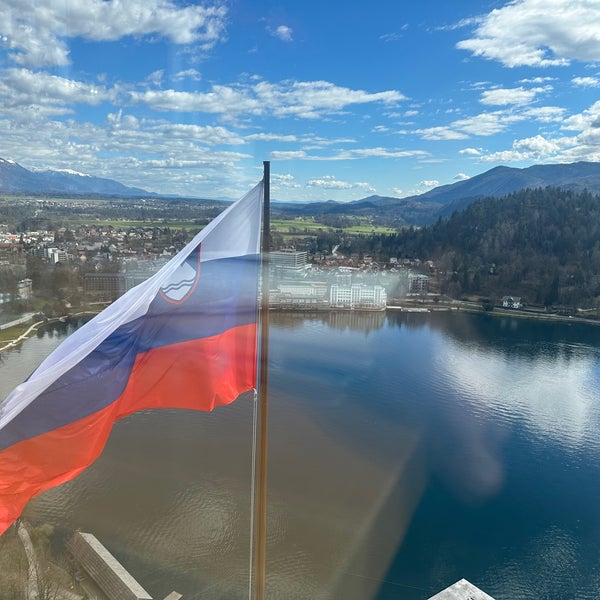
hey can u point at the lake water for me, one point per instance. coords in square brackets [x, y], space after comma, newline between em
[406, 451]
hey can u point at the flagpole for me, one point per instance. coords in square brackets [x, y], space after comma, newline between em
[261, 500]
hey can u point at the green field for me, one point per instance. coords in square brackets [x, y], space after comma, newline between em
[132, 223]
[307, 226]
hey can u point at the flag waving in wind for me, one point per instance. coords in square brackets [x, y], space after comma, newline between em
[185, 338]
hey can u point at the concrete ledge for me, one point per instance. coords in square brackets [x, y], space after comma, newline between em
[106, 571]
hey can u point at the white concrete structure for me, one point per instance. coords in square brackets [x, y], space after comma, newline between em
[461, 590]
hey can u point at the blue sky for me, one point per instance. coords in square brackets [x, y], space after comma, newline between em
[346, 98]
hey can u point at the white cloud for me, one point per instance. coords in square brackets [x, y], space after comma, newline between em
[271, 137]
[483, 124]
[350, 154]
[156, 77]
[505, 96]
[330, 182]
[461, 177]
[538, 33]
[585, 120]
[283, 32]
[537, 80]
[45, 95]
[303, 99]
[537, 145]
[441, 133]
[192, 74]
[504, 156]
[546, 114]
[421, 188]
[586, 81]
[289, 155]
[355, 153]
[284, 181]
[536, 148]
[470, 151]
[429, 183]
[35, 31]
[177, 158]
[395, 35]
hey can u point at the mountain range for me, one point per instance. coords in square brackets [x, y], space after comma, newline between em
[15, 179]
[420, 209]
[442, 201]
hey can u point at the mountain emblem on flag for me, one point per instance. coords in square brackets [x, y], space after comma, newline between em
[183, 281]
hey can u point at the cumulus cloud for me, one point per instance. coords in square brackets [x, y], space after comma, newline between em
[177, 158]
[534, 148]
[546, 114]
[470, 151]
[350, 154]
[156, 77]
[289, 155]
[330, 182]
[421, 187]
[192, 74]
[271, 137]
[483, 124]
[45, 94]
[429, 183]
[504, 156]
[586, 81]
[538, 33]
[461, 177]
[441, 133]
[283, 32]
[537, 145]
[35, 31]
[505, 96]
[284, 181]
[355, 153]
[303, 99]
[584, 120]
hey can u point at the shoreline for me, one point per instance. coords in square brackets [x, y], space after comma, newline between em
[476, 308]
[33, 328]
[412, 307]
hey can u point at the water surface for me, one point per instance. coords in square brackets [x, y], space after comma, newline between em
[406, 451]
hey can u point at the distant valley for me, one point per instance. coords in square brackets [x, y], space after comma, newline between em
[442, 201]
[418, 210]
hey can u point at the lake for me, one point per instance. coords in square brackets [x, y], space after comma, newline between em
[406, 451]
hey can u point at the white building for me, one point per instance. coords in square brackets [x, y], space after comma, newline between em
[511, 302]
[358, 295]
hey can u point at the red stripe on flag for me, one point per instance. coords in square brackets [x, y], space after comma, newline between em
[199, 374]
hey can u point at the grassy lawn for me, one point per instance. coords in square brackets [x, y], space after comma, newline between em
[12, 333]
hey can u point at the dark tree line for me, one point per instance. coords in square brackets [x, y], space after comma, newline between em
[541, 244]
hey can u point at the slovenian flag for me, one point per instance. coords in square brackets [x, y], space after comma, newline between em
[185, 338]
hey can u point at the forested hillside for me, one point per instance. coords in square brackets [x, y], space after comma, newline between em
[542, 244]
